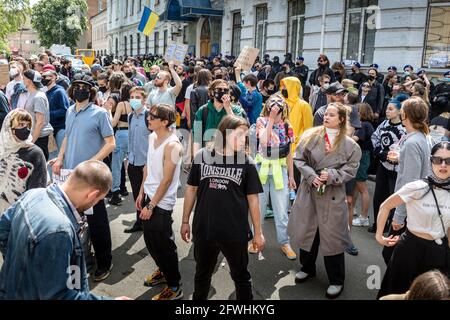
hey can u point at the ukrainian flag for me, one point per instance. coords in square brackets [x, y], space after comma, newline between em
[148, 21]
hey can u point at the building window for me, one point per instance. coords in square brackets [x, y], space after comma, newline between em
[125, 45]
[360, 35]
[117, 9]
[131, 45]
[437, 41]
[100, 5]
[156, 43]
[185, 34]
[138, 39]
[146, 45]
[165, 41]
[117, 47]
[132, 8]
[140, 6]
[236, 34]
[126, 8]
[296, 14]
[261, 29]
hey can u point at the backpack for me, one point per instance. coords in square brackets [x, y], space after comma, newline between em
[146, 112]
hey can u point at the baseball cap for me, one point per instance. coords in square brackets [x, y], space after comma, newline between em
[420, 72]
[394, 68]
[48, 67]
[354, 120]
[301, 58]
[335, 87]
[374, 65]
[34, 76]
[356, 64]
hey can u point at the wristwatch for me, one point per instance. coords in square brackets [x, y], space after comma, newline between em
[150, 206]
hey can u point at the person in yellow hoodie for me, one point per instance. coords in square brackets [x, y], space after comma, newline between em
[300, 112]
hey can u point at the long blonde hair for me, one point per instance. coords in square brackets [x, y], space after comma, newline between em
[317, 134]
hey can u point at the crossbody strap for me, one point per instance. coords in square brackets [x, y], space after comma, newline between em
[438, 210]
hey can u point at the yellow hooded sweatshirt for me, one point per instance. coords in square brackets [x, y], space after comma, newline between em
[300, 112]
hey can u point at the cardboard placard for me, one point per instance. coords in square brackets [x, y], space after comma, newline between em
[4, 74]
[176, 52]
[247, 58]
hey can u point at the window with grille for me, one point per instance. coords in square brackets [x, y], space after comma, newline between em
[360, 32]
[296, 13]
[261, 29]
[156, 43]
[437, 35]
[236, 34]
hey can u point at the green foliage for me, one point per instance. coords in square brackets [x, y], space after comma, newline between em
[59, 19]
[12, 15]
[148, 64]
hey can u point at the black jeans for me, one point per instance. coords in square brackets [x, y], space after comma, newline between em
[159, 239]
[43, 144]
[101, 235]
[384, 188]
[136, 174]
[334, 265]
[206, 253]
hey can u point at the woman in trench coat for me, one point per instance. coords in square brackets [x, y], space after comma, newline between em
[326, 158]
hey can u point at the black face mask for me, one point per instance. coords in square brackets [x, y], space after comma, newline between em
[219, 76]
[46, 82]
[285, 94]
[80, 95]
[58, 69]
[102, 89]
[284, 69]
[218, 95]
[22, 134]
[270, 92]
[371, 78]
[129, 74]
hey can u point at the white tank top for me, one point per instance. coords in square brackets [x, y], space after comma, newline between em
[155, 161]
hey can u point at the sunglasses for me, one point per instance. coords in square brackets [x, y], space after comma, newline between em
[438, 160]
[365, 86]
[222, 90]
[153, 116]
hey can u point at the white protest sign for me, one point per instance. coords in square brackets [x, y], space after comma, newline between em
[438, 61]
[61, 178]
[176, 52]
[247, 58]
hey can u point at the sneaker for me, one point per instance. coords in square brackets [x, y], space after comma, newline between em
[334, 291]
[287, 250]
[372, 229]
[302, 276]
[352, 250]
[102, 274]
[361, 222]
[124, 192]
[269, 214]
[168, 294]
[251, 249]
[156, 278]
[115, 199]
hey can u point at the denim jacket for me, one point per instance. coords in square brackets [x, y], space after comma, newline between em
[43, 255]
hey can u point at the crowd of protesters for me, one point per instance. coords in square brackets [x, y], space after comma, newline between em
[278, 140]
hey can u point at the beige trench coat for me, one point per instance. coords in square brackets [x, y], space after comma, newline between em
[327, 212]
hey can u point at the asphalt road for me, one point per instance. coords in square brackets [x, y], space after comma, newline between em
[273, 275]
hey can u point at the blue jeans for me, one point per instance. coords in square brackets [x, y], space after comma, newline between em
[118, 156]
[280, 205]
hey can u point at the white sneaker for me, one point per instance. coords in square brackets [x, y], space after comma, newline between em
[360, 222]
[334, 291]
[302, 276]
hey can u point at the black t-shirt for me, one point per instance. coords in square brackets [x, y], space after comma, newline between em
[221, 212]
[364, 134]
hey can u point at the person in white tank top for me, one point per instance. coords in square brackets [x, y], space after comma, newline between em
[157, 198]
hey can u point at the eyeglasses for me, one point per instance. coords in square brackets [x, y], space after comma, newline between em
[159, 77]
[438, 160]
[153, 116]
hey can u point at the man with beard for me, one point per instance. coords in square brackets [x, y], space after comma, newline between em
[149, 86]
[129, 72]
[161, 93]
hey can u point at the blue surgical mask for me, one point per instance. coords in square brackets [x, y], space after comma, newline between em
[446, 79]
[135, 104]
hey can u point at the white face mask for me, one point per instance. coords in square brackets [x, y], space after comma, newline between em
[326, 85]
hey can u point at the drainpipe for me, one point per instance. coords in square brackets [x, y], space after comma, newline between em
[322, 31]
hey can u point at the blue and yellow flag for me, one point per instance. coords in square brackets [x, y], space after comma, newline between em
[148, 21]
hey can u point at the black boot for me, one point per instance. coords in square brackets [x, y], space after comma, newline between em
[115, 199]
[124, 192]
